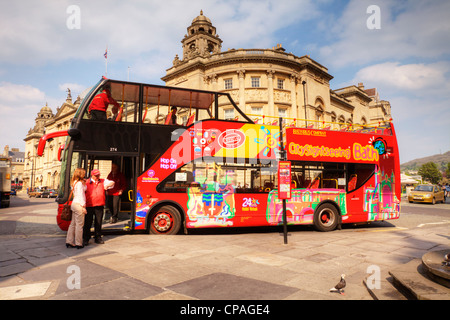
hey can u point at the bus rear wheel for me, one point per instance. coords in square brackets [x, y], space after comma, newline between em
[166, 220]
[326, 217]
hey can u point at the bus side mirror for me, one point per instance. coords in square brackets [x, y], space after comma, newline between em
[75, 134]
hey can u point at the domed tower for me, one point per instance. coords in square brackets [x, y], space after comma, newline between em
[42, 116]
[201, 39]
[267, 82]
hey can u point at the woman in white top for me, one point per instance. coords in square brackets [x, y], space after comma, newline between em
[74, 237]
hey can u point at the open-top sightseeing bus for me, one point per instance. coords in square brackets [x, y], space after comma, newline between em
[206, 171]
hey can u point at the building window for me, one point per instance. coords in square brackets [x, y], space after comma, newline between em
[363, 121]
[258, 112]
[280, 84]
[319, 113]
[341, 121]
[229, 114]
[282, 112]
[255, 82]
[333, 117]
[228, 84]
[184, 118]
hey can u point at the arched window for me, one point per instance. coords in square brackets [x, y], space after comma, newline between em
[320, 108]
[349, 123]
[333, 116]
[319, 113]
[363, 121]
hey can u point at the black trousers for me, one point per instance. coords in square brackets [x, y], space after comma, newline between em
[98, 115]
[94, 214]
[113, 206]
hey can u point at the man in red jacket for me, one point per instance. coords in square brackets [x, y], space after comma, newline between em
[100, 103]
[95, 202]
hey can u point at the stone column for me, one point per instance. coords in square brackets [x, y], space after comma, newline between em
[241, 74]
[271, 104]
[214, 82]
[295, 113]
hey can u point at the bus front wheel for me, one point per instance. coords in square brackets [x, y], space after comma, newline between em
[326, 217]
[166, 220]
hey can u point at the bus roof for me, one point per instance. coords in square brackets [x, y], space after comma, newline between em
[164, 95]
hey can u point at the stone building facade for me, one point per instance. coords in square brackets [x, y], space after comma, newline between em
[270, 82]
[45, 171]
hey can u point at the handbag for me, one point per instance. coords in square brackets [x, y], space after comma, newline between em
[66, 213]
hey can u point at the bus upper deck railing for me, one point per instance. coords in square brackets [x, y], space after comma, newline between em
[197, 105]
[381, 127]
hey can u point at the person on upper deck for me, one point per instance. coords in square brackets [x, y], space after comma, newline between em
[173, 116]
[100, 103]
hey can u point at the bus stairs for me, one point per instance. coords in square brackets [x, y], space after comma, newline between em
[419, 279]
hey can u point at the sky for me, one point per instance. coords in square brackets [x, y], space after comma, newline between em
[402, 48]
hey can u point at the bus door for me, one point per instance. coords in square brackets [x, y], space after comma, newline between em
[362, 191]
[127, 168]
[126, 204]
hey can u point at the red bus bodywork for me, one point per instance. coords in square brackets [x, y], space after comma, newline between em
[378, 198]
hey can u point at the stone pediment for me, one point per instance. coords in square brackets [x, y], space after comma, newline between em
[65, 110]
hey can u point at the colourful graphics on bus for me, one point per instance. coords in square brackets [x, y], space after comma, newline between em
[381, 202]
[212, 193]
[210, 209]
[236, 140]
[300, 208]
[334, 146]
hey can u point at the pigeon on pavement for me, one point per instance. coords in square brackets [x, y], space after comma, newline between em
[446, 261]
[340, 286]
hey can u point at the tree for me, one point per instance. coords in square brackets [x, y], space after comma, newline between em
[429, 171]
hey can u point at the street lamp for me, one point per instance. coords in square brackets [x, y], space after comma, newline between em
[304, 102]
[31, 160]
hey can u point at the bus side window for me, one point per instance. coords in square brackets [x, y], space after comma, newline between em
[352, 182]
[359, 174]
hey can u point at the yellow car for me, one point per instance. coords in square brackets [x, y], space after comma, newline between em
[426, 193]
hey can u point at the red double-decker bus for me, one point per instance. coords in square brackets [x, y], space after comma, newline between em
[205, 171]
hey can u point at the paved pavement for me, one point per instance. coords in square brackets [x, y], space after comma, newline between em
[255, 265]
